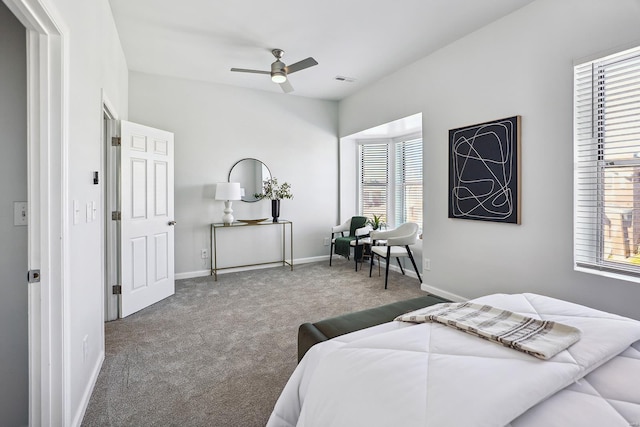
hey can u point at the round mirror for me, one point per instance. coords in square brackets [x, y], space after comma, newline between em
[249, 173]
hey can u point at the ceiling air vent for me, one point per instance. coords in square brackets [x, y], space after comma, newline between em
[345, 79]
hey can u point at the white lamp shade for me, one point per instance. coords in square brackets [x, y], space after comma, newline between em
[228, 191]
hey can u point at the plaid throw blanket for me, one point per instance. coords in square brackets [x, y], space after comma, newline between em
[540, 338]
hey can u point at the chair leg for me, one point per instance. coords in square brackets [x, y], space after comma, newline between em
[331, 254]
[371, 265]
[415, 267]
[386, 274]
[400, 265]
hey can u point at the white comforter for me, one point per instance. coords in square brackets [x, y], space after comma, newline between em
[400, 374]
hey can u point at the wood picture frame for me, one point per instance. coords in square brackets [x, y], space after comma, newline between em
[484, 171]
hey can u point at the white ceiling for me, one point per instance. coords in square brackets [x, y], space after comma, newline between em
[362, 39]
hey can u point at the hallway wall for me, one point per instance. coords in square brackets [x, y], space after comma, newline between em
[14, 352]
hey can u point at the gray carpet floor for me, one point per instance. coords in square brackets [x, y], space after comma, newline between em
[219, 353]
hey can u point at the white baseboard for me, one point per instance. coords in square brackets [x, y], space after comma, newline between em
[204, 273]
[192, 274]
[313, 259]
[86, 396]
[442, 293]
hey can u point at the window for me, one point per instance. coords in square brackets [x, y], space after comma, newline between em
[374, 179]
[408, 182]
[390, 177]
[607, 164]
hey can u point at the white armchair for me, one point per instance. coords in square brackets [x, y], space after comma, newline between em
[398, 242]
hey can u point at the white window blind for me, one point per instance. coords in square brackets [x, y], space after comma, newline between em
[391, 181]
[408, 182]
[374, 179]
[607, 163]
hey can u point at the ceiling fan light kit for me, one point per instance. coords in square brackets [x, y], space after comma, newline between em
[278, 77]
[279, 70]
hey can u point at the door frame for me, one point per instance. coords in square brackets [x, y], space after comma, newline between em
[47, 194]
[109, 196]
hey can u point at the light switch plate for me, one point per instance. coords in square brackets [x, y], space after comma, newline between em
[20, 213]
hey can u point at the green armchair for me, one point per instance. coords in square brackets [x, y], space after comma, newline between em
[341, 243]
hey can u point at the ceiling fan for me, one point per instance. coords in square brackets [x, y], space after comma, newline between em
[280, 71]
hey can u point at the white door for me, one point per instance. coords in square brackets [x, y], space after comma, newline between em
[146, 226]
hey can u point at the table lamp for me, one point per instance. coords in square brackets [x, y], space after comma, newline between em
[228, 191]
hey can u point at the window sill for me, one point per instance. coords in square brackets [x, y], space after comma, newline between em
[609, 274]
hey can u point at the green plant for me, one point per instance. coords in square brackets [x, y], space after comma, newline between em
[273, 191]
[376, 222]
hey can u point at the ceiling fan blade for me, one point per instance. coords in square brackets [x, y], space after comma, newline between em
[301, 65]
[244, 70]
[286, 86]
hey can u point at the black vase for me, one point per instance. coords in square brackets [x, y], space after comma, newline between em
[275, 210]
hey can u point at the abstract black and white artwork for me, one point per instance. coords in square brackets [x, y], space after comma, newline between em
[484, 171]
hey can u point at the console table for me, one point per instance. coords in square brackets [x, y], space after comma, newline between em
[217, 227]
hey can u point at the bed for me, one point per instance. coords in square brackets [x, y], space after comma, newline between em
[427, 374]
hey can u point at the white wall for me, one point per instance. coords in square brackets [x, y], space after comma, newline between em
[217, 125]
[94, 61]
[519, 65]
[14, 379]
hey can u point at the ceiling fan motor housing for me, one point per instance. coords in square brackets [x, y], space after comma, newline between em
[278, 67]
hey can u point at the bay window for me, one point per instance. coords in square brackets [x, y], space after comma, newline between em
[390, 180]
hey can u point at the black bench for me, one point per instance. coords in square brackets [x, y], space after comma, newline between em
[310, 334]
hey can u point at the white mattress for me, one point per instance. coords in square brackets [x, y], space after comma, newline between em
[430, 375]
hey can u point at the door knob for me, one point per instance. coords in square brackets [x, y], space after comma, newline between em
[172, 223]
